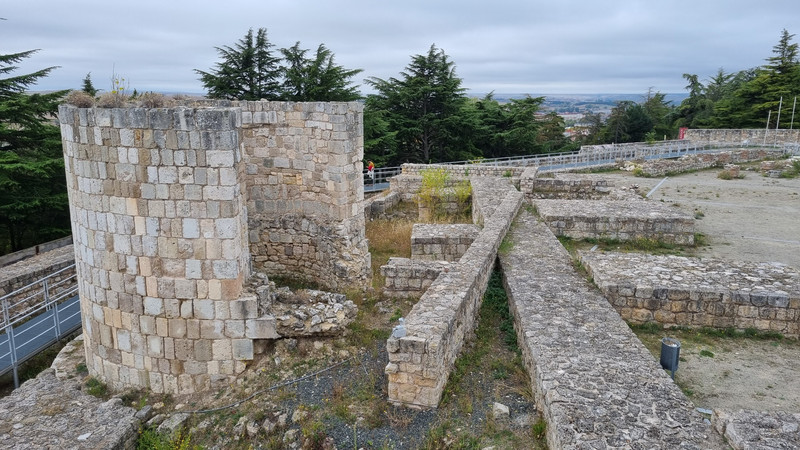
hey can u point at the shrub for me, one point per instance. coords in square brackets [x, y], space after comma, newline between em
[112, 100]
[80, 99]
[152, 100]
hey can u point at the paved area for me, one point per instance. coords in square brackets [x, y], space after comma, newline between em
[597, 385]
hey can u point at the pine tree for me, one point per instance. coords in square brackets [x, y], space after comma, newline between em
[33, 198]
[317, 79]
[424, 109]
[88, 87]
[248, 70]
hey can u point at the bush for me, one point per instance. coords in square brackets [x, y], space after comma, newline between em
[80, 99]
[112, 100]
[153, 100]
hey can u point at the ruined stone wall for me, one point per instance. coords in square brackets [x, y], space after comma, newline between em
[169, 204]
[441, 242]
[554, 185]
[617, 219]
[595, 383]
[444, 317]
[682, 291]
[305, 190]
[465, 170]
[160, 231]
[661, 167]
[379, 204]
[742, 136]
[404, 277]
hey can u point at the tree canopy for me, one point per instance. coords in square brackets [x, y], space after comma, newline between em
[424, 115]
[249, 70]
[33, 197]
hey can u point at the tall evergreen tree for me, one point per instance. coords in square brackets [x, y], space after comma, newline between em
[88, 86]
[33, 198]
[248, 70]
[424, 109]
[317, 79]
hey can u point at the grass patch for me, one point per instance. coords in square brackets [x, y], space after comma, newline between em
[150, 439]
[96, 388]
[707, 353]
[387, 238]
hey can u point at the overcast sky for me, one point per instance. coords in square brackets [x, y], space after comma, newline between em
[506, 46]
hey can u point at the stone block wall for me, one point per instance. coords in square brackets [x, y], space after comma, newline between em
[379, 204]
[465, 170]
[742, 136]
[441, 242]
[406, 277]
[160, 231]
[661, 167]
[444, 317]
[169, 204]
[12, 258]
[555, 185]
[681, 291]
[617, 219]
[305, 190]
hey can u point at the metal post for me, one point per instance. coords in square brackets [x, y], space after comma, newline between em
[791, 124]
[769, 114]
[778, 123]
[12, 347]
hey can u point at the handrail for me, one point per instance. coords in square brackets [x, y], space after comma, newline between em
[588, 154]
[52, 296]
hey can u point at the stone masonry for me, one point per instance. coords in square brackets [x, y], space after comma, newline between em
[742, 137]
[682, 291]
[443, 319]
[169, 207]
[617, 219]
[441, 242]
[597, 385]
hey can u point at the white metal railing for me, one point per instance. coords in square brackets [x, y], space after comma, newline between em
[588, 155]
[25, 305]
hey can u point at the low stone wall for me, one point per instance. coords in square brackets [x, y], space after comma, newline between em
[441, 242]
[11, 258]
[617, 219]
[661, 167]
[682, 291]
[443, 319]
[746, 430]
[18, 275]
[411, 278]
[564, 186]
[465, 170]
[486, 193]
[758, 136]
[595, 383]
[379, 204]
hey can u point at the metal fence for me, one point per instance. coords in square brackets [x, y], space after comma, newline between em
[587, 156]
[53, 313]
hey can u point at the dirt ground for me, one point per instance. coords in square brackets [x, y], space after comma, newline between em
[751, 219]
[754, 218]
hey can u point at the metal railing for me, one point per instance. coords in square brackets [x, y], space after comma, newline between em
[590, 155]
[35, 316]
